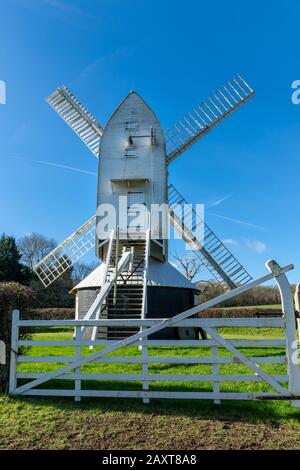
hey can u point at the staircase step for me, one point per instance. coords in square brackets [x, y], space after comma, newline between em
[125, 317]
[130, 288]
[133, 304]
[125, 300]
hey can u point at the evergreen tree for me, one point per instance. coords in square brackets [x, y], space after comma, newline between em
[11, 269]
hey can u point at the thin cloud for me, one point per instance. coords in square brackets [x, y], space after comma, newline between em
[57, 165]
[62, 11]
[71, 9]
[229, 241]
[237, 221]
[256, 245]
[217, 202]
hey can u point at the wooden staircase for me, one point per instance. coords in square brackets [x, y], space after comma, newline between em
[126, 300]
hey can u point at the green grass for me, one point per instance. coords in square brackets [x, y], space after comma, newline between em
[61, 423]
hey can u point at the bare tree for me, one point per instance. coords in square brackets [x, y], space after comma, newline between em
[260, 295]
[82, 270]
[34, 247]
[189, 265]
[210, 289]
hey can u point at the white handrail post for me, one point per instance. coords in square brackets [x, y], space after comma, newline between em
[144, 349]
[14, 352]
[108, 256]
[290, 328]
[131, 259]
[96, 307]
[147, 254]
[107, 262]
[116, 265]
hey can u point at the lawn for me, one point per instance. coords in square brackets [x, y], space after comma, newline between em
[60, 423]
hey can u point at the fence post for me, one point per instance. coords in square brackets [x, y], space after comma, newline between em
[145, 366]
[78, 369]
[288, 310]
[297, 307]
[215, 371]
[14, 352]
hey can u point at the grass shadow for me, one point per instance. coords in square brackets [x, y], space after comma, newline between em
[275, 412]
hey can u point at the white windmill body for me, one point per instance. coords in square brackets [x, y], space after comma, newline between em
[135, 279]
[132, 165]
[132, 162]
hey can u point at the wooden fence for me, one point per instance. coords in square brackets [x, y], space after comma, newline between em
[87, 373]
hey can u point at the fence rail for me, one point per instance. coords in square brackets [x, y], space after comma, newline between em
[150, 366]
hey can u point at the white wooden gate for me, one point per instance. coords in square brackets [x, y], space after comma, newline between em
[148, 355]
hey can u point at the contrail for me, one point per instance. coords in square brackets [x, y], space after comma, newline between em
[237, 221]
[57, 165]
[219, 201]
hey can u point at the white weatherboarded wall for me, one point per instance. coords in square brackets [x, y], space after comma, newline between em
[132, 155]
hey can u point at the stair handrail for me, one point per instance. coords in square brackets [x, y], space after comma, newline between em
[122, 265]
[108, 256]
[145, 273]
[91, 310]
[96, 307]
[104, 281]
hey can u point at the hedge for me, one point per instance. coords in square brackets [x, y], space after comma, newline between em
[238, 312]
[12, 296]
[48, 314]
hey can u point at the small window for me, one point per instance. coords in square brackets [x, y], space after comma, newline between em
[130, 153]
[132, 125]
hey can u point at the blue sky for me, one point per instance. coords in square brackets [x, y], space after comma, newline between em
[174, 54]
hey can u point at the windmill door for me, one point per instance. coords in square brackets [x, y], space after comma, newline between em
[136, 217]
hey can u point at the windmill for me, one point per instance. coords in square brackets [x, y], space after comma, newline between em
[134, 154]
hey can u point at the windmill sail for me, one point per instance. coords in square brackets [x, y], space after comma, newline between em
[68, 252]
[206, 116]
[211, 251]
[77, 117]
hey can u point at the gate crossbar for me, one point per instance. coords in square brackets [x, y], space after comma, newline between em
[276, 272]
[227, 344]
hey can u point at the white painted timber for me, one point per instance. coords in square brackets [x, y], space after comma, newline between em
[133, 125]
[155, 359]
[206, 116]
[78, 118]
[151, 394]
[14, 350]
[177, 343]
[66, 253]
[201, 322]
[70, 367]
[159, 377]
[290, 327]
